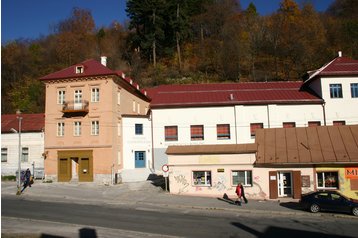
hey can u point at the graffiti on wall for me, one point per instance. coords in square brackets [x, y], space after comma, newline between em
[182, 182]
[220, 184]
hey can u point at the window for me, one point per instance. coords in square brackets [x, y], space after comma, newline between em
[242, 176]
[288, 124]
[79, 69]
[223, 131]
[95, 128]
[78, 96]
[354, 90]
[314, 123]
[3, 154]
[139, 129]
[339, 123]
[171, 133]
[25, 154]
[254, 127]
[202, 178]
[60, 129]
[61, 96]
[77, 128]
[327, 180]
[197, 132]
[335, 90]
[95, 95]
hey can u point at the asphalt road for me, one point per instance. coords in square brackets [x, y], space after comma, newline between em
[73, 220]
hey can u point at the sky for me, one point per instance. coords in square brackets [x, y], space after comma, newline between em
[31, 19]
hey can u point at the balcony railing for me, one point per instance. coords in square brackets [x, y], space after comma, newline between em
[72, 106]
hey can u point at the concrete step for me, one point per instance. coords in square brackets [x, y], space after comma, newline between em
[134, 175]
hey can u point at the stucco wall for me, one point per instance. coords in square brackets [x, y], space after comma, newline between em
[34, 141]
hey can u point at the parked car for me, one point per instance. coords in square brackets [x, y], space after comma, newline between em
[332, 201]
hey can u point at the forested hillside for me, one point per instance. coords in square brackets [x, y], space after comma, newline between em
[191, 41]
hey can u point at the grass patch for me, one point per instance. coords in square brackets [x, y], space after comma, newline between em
[8, 178]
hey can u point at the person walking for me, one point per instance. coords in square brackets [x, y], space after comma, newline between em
[239, 194]
[27, 181]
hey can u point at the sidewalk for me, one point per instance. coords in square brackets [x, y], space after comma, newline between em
[143, 194]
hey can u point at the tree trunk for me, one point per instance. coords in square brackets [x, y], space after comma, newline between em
[178, 40]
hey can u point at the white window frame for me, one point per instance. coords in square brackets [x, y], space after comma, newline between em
[60, 129]
[95, 94]
[138, 126]
[335, 90]
[25, 154]
[95, 128]
[79, 69]
[354, 90]
[207, 175]
[61, 96]
[247, 177]
[3, 154]
[77, 128]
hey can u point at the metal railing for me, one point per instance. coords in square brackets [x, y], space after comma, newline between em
[72, 106]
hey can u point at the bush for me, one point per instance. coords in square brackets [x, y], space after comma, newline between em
[8, 178]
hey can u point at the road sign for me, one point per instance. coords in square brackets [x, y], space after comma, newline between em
[165, 168]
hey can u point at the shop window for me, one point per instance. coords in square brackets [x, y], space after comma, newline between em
[242, 176]
[197, 132]
[254, 127]
[171, 133]
[327, 180]
[223, 131]
[202, 178]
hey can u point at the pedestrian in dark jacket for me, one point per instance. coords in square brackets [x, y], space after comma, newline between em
[27, 181]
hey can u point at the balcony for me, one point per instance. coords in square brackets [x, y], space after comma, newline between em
[75, 108]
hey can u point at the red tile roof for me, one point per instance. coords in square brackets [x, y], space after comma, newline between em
[91, 68]
[29, 122]
[230, 94]
[340, 66]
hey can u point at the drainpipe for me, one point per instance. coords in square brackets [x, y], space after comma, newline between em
[268, 116]
[151, 123]
[235, 125]
[324, 113]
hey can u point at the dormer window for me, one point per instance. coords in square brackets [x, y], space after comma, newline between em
[79, 69]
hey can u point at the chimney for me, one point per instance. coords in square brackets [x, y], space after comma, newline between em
[339, 53]
[104, 60]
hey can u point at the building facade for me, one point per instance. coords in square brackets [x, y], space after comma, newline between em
[32, 143]
[84, 108]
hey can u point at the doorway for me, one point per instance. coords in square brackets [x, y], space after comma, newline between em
[284, 184]
[139, 158]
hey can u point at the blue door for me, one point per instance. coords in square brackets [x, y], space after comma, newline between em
[140, 159]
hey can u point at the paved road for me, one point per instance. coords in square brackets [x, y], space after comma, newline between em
[76, 220]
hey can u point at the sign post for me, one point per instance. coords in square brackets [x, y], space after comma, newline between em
[165, 169]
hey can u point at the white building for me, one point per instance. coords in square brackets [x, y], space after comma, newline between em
[230, 113]
[137, 149]
[32, 143]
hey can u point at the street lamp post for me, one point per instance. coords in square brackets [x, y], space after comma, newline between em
[18, 113]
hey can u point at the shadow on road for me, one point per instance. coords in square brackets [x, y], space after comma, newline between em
[225, 198]
[292, 205]
[157, 180]
[274, 231]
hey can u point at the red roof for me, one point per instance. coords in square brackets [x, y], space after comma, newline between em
[341, 66]
[29, 122]
[230, 94]
[91, 68]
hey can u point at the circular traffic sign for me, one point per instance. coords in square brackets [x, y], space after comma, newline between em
[165, 168]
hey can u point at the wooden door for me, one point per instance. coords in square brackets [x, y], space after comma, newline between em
[64, 170]
[85, 173]
[273, 184]
[297, 184]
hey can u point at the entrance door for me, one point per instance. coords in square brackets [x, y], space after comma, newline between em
[139, 159]
[284, 184]
[64, 170]
[85, 170]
